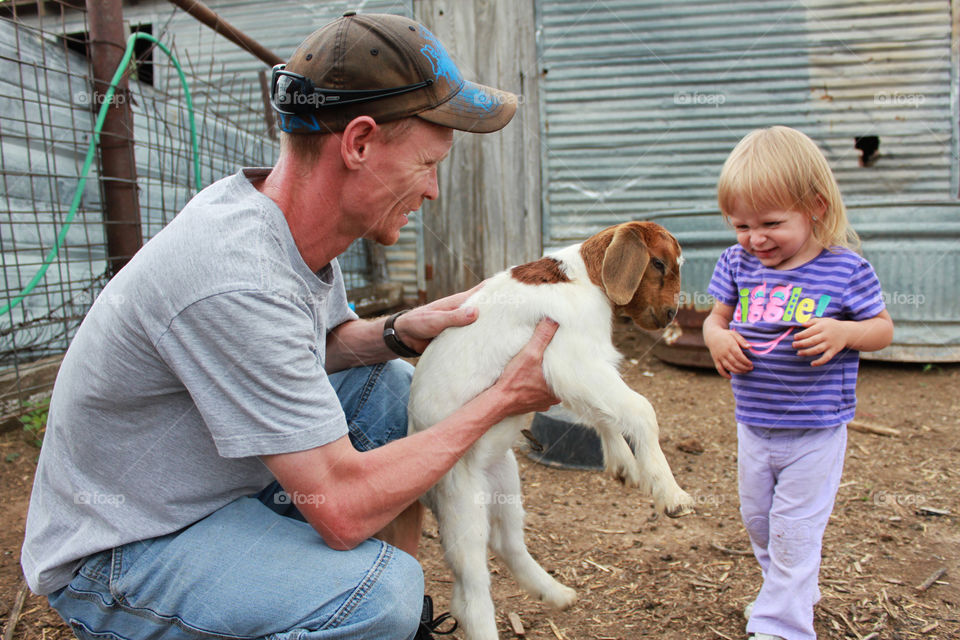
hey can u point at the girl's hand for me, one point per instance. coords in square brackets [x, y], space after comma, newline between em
[727, 350]
[825, 337]
[726, 345]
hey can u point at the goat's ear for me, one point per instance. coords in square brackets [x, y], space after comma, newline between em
[623, 265]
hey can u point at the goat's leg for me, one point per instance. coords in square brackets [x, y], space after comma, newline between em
[464, 534]
[614, 408]
[618, 458]
[506, 537]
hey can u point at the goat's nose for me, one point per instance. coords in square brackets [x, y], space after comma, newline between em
[671, 314]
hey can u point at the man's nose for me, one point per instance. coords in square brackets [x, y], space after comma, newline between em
[433, 186]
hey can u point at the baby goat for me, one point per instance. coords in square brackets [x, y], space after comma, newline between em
[629, 269]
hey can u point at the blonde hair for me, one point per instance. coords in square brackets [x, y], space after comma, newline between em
[782, 169]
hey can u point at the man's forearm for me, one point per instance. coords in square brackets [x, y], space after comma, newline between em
[348, 496]
[356, 343]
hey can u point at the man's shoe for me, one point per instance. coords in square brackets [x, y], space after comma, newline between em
[430, 625]
[764, 636]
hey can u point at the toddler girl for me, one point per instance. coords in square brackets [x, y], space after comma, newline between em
[794, 307]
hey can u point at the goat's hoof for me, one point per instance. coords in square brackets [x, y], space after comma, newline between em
[683, 507]
[562, 597]
[679, 511]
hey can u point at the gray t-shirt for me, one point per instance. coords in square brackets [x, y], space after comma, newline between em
[203, 353]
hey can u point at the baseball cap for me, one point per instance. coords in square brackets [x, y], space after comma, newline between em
[383, 66]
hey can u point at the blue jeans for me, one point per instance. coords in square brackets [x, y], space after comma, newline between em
[255, 569]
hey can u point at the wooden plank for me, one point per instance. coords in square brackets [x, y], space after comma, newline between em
[516, 624]
[488, 215]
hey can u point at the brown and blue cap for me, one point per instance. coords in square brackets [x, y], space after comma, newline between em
[383, 66]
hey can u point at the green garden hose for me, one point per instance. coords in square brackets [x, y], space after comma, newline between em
[91, 149]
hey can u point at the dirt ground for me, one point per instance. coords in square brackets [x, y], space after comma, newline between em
[641, 575]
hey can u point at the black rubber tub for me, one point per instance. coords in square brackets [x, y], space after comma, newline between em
[564, 443]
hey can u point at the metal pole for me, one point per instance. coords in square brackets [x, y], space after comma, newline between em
[118, 166]
[209, 17]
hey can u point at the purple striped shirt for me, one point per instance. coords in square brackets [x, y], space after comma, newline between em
[783, 390]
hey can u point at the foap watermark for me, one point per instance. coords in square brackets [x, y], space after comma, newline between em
[298, 499]
[97, 498]
[496, 98]
[113, 299]
[97, 99]
[903, 299]
[485, 497]
[300, 99]
[709, 499]
[882, 498]
[898, 99]
[502, 299]
[698, 299]
[698, 98]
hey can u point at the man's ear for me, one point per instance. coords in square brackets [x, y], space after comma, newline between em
[355, 141]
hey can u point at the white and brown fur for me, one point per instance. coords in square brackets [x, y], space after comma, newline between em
[630, 269]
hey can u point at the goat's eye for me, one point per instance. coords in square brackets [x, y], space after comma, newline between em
[659, 266]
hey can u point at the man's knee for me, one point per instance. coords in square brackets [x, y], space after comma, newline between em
[402, 593]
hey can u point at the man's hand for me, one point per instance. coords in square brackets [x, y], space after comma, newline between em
[522, 383]
[357, 343]
[419, 326]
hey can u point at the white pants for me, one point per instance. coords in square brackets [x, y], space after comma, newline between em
[788, 481]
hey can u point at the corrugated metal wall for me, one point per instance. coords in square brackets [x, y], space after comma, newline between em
[643, 100]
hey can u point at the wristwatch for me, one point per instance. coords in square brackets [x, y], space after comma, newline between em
[393, 341]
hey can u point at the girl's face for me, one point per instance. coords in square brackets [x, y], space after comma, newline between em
[778, 239]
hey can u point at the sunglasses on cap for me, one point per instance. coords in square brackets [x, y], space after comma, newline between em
[294, 94]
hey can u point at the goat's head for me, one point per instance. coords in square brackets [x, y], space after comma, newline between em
[637, 264]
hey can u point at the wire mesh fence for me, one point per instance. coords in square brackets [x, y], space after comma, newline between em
[48, 105]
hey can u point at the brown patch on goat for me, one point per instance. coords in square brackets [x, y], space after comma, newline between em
[542, 271]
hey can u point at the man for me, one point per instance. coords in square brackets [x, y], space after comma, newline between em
[224, 358]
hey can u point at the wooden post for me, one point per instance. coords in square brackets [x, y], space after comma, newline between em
[488, 216]
[118, 168]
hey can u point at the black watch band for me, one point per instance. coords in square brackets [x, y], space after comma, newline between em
[393, 341]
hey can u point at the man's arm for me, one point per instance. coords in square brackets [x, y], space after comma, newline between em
[360, 342]
[348, 495]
